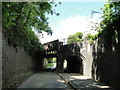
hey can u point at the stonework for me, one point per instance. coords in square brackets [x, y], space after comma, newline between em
[105, 66]
[78, 56]
[16, 65]
[70, 53]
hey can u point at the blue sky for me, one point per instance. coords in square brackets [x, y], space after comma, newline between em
[74, 17]
[76, 8]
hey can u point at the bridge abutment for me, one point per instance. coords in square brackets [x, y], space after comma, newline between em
[60, 61]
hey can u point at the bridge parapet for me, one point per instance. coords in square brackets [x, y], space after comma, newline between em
[53, 45]
[51, 48]
[69, 50]
[56, 48]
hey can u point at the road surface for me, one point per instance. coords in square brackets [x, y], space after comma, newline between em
[44, 80]
[69, 81]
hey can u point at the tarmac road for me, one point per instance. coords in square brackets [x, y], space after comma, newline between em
[45, 80]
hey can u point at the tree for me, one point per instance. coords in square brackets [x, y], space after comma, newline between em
[27, 15]
[18, 19]
[110, 25]
[77, 37]
[90, 38]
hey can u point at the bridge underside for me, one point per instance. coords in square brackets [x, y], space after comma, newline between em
[50, 55]
[74, 64]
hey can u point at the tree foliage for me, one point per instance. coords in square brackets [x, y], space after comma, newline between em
[18, 19]
[111, 16]
[77, 37]
[90, 38]
[109, 28]
[107, 52]
[110, 25]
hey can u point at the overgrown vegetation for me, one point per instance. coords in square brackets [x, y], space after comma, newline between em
[106, 54]
[90, 38]
[19, 19]
[109, 28]
[110, 25]
[77, 37]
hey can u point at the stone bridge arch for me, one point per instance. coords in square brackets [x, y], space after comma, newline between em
[70, 53]
[74, 64]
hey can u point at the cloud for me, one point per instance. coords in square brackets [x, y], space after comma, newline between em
[74, 24]
[69, 26]
[80, 8]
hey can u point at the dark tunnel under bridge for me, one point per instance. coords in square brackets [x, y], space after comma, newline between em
[74, 65]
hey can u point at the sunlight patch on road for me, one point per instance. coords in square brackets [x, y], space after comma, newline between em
[79, 77]
[103, 86]
[61, 81]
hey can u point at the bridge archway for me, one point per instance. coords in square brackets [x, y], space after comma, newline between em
[74, 64]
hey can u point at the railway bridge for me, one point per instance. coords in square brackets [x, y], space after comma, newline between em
[72, 53]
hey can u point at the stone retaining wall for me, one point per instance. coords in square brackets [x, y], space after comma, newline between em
[105, 67]
[17, 65]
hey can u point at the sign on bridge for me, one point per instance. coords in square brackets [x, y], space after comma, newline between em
[51, 46]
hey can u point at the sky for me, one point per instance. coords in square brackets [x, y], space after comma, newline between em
[74, 17]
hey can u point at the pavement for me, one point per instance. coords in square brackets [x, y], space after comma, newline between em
[80, 82]
[47, 80]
